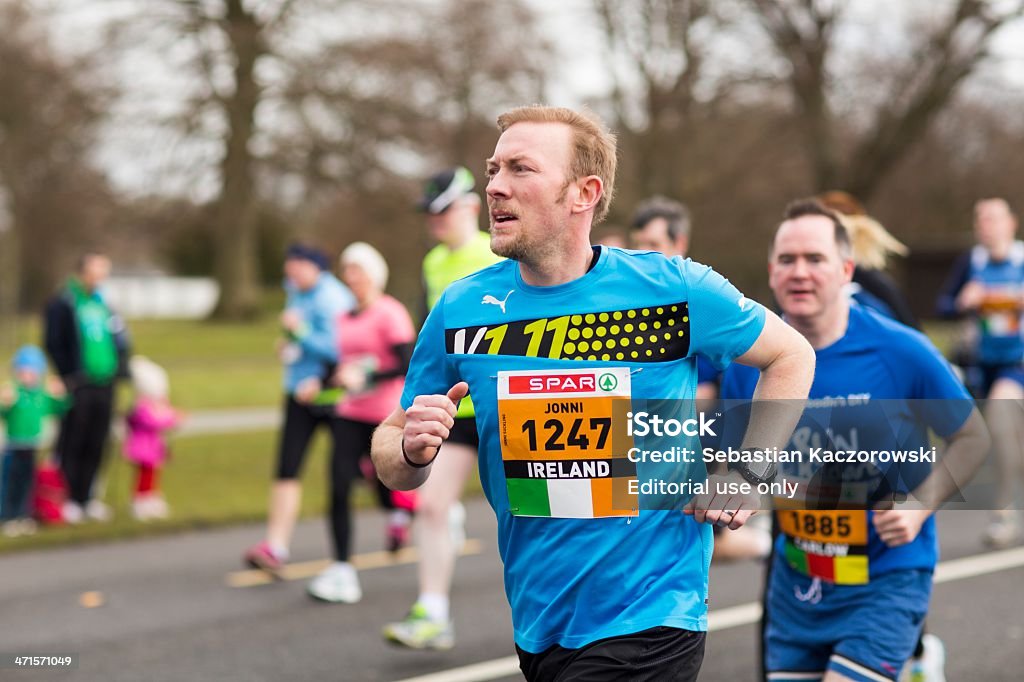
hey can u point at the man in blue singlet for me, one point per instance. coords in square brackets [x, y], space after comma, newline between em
[852, 574]
[548, 343]
[987, 286]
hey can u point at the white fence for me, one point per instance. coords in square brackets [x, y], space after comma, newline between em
[162, 296]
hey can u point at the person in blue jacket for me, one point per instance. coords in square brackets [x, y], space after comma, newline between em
[308, 350]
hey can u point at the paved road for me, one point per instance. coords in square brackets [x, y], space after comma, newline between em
[230, 421]
[169, 612]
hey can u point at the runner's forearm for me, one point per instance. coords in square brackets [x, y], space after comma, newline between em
[392, 469]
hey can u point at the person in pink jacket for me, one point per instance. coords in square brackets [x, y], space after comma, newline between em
[145, 444]
[375, 343]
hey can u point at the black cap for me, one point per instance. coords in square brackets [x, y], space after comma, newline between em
[444, 188]
[310, 253]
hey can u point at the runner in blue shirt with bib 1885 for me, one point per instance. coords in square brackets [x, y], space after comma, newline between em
[852, 575]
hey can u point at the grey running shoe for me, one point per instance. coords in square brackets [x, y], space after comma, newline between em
[418, 631]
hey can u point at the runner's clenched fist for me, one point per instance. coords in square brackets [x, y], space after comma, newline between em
[428, 421]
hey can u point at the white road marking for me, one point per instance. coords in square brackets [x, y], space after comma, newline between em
[743, 614]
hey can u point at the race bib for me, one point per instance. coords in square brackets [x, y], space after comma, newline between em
[1000, 312]
[564, 442]
[831, 545]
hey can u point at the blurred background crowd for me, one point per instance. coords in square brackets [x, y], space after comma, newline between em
[199, 138]
[193, 141]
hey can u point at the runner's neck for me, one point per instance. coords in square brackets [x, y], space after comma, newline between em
[562, 271]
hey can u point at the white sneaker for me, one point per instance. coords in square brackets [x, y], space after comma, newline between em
[931, 667]
[158, 508]
[12, 528]
[98, 511]
[457, 526]
[29, 526]
[141, 508]
[933, 662]
[338, 583]
[72, 513]
[1003, 531]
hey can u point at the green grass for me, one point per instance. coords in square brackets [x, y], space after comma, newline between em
[214, 364]
[211, 364]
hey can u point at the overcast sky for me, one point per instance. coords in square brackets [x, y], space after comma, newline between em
[578, 75]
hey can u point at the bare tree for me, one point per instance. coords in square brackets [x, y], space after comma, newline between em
[53, 200]
[235, 253]
[656, 59]
[226, 43]
[365, 119]
[934, 65]
[301, 96]
[371, 109]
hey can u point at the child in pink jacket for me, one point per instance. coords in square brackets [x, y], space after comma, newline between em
[145, 445]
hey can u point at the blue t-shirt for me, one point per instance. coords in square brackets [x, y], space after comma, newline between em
[320, 306]
[861, 385]
[1000, 315]
[572, 581]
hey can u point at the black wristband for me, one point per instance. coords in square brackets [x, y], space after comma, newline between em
[413, 464]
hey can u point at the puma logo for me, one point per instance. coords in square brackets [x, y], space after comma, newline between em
[493, 301]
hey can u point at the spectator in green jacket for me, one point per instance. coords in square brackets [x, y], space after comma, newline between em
[88, 345]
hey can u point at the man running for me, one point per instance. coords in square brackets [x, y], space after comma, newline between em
[453, 213]
[987, 287]
[600, 587]
[836, 572]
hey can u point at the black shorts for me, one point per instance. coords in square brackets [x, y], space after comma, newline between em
[661, 654]
[300, 422]
[464, 432]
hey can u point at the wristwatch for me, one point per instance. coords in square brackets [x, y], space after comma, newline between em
[756, 473]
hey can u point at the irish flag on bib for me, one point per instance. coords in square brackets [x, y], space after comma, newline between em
[564, 444]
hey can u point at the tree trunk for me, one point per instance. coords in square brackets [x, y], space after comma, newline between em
[10, 287]
[9, 272]
[235, 260]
